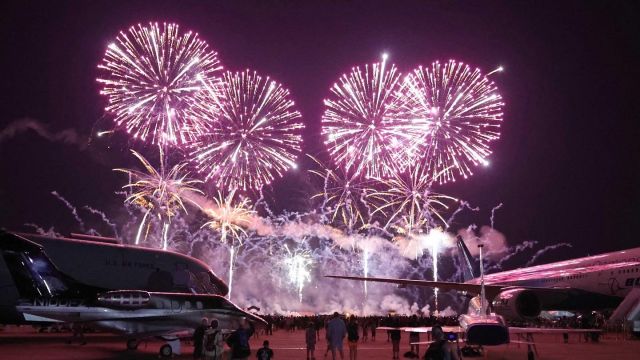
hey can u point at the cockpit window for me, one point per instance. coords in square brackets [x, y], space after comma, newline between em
[34, 274]
[203, 283]
[47, 274]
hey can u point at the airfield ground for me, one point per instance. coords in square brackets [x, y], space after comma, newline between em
[26, 343]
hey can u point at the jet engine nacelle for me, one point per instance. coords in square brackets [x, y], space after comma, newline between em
[129, 299]
[517, 304]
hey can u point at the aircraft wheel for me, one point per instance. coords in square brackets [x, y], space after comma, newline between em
[132, 344]
[165, 350]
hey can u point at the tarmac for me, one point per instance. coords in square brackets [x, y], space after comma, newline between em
[26, 343]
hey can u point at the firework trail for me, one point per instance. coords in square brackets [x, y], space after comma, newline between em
[72, 208]
[159, 192]
[365, 123]
[511, 252]
[152, 78]
[544, 250]
[41, 231]
[104, 218]
[493, 214]
[253, 138]
[460, 110]
[462, 205]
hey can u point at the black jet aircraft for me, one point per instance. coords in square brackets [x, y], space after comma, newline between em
[33, 290]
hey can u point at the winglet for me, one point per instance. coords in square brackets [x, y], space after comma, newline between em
[464, 257]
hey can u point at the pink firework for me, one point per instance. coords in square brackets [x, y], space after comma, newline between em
[368, 128]
[461, 112]
[253, 137]
[152, 78]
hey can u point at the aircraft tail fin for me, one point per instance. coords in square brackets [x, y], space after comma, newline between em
[33, 273]
[465, 259]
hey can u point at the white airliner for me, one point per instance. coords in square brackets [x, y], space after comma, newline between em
[583, 284]
[127, 290]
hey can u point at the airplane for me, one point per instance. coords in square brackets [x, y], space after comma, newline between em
[105, 263]
[594, 282]
[40, 293]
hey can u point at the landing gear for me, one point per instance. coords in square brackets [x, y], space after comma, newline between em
[132, 344]
[166, 350]
[472, 351]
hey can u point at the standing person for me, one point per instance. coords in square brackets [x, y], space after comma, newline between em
[336, 331]
[374, 325]
[440, 348]
[77, 333]
[212, 345]
[395, 336]
[365, 330]
[310, 339]
[265, 353]
[326, 337]
[319, 324]
[414, 337]
[269, 329]
[353, 337]
[238, 341]
[198, 338]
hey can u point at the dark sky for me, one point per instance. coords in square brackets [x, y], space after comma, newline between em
[566, 167]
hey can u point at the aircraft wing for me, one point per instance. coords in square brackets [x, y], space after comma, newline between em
[522, 330]
[442, 285]
[420, 329]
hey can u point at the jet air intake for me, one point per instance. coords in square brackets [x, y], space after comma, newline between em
[517, 304]
[130, 299]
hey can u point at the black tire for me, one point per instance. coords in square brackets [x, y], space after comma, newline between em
[132, 344]
[166, 350]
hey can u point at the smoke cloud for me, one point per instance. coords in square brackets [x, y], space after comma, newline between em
[67, 136]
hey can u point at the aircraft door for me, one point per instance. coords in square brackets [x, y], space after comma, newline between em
[181, 278]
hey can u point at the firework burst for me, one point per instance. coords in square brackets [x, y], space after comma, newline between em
[408, 203]
[159, 192]
[367, 126]
[152, 80]
[297, 264]
[254, 137]
[461, 112]
[229, 217]
[344, 196]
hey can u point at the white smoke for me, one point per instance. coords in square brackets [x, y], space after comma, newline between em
[67, 136]
[495, 243]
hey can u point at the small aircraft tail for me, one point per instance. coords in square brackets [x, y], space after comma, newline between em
[33, 273]
[465, 259]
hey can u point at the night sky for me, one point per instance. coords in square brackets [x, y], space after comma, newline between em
[566, 166]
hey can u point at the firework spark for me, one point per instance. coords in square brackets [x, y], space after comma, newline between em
[344, 196]
[461, 112]
[152, 81]
[229, 217]
[254, 137]
[408, 202]
[297, 264]
[368, 128]
[159, 192]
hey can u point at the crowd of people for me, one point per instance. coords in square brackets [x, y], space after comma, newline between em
[209, 342]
